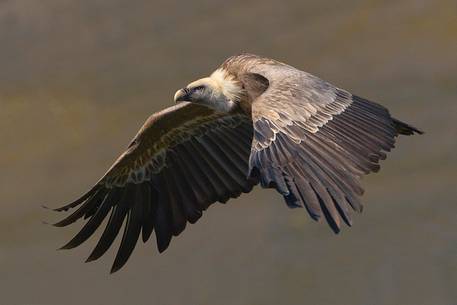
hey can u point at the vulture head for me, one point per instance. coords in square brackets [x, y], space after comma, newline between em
[219, 91]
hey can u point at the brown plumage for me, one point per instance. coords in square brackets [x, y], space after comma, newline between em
[254, 120]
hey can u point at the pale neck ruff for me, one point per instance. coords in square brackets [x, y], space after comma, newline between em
[228, 85]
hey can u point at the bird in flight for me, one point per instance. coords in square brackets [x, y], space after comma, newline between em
[253, 121]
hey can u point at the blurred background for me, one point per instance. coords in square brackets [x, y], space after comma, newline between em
[78, 79]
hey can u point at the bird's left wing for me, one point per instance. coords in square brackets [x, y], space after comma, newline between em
[313, 141]
[182, 160]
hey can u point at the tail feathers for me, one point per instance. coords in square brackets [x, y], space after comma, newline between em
[405, 129]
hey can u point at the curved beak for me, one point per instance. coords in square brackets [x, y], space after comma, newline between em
[181, 95]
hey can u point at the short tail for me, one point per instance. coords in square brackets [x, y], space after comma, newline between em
[405, 129]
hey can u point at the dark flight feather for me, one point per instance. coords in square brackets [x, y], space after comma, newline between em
[148, 190]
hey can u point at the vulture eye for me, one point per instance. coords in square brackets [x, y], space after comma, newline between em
[198, 88]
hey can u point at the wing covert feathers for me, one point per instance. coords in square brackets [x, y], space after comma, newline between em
[312, 140]
[320, 170]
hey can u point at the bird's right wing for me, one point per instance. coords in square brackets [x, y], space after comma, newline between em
[313, 141]
[182, 160]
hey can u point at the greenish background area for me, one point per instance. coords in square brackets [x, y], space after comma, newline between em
[78, 78]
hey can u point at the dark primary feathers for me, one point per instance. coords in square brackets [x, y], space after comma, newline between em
[183, 160]
[293, 132]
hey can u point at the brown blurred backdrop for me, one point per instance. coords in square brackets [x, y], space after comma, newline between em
[78, 78]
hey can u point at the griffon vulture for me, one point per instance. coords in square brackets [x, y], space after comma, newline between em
[252, 121]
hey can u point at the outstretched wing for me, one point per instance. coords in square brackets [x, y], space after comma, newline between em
[313, 141]
[182, 160]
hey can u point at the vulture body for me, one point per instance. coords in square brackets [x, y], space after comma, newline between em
[253, 121]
